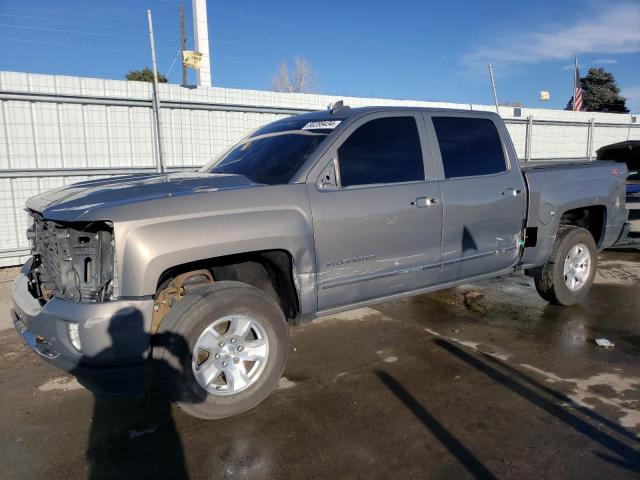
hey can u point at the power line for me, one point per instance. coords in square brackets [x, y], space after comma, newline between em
[74, 19]
[70, 45]
[173, 63]
[80, 32]
[64, 30]
[107, 49]
[67, 20]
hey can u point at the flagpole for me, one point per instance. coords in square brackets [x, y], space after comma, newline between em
[575, 85]
[493, 86]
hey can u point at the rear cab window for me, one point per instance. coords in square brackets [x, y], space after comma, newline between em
[469, 146]
[383, 150]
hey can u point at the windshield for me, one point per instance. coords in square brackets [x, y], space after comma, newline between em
[273, 154]
[272, 160]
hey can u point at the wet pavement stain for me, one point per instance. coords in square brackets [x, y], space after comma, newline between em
[519, 390]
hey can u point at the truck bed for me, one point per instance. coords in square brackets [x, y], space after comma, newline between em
[558, 186]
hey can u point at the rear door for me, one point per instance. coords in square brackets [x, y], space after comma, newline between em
[377, 212]
[483, 194]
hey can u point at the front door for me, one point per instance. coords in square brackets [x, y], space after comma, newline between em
[378, 226]
[483, 195]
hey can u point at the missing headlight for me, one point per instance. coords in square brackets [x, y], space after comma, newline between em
[74, 261]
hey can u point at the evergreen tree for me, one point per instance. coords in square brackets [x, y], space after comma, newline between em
[145, 75]
[600, 93]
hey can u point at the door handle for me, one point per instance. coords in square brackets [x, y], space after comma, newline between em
[423, 202]
[512, 192]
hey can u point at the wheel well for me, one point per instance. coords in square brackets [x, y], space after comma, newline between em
[591, 218]
[271, 271]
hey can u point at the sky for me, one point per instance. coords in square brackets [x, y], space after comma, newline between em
[422, 50]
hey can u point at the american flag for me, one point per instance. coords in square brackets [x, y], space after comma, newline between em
[577, 90]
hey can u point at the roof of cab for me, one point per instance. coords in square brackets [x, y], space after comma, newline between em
[350, 112]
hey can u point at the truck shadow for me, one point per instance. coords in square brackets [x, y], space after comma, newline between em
[134, 437]
[446, 438]
[621, 454]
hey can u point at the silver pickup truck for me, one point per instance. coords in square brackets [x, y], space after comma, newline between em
[201, 274]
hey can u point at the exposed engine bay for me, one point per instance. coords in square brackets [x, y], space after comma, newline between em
[72, 261]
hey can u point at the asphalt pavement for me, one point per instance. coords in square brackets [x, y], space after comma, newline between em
[481, 381]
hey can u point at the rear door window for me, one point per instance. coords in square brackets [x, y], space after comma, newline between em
[384, 150]
[469, 146]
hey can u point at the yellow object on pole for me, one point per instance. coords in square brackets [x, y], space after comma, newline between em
[191, 59]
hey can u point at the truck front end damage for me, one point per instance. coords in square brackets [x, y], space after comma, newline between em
[72, 261]
[66, 307]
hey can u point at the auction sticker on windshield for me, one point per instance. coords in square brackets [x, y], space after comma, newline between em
[322, 125]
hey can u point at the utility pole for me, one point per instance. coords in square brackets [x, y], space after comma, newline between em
[493, 85]
[156, 101]
[183, 44]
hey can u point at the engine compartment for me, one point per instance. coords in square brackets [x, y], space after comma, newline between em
[71, 261]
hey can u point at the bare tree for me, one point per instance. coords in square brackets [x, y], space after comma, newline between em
[302, 75]
[280, 81]
[296, 81]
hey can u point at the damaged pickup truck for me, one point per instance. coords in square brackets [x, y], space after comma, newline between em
[201, 274]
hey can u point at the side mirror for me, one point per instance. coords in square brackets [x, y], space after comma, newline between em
[328, 179]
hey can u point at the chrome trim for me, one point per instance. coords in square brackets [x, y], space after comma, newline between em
[37, 344]
[375, 276]
[470, 257]
[380, 185]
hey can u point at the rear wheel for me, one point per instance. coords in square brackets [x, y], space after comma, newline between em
[222, 349]
[568, 275]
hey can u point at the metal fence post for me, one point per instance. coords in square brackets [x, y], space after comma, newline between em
[156, 100]
[590, 139]
[527, 145]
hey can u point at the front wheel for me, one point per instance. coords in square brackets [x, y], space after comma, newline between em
[568, 275]
[221, 350]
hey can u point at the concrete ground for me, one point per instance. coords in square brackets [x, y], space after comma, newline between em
[436, 386]
[6, 279]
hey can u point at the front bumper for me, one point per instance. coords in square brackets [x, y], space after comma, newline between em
[114, 337]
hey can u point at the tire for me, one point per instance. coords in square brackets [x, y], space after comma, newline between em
[189, 324]
[550, 280]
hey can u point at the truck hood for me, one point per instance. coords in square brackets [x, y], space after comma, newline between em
[72, 202]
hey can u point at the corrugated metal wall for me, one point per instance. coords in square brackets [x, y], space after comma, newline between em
[57, 130]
